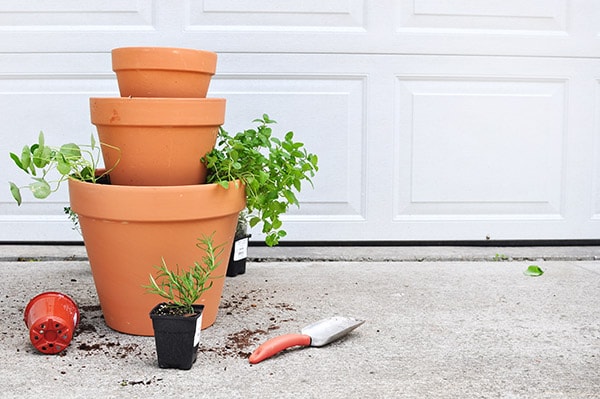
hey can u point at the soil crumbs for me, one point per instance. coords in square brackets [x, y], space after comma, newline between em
[238, 343]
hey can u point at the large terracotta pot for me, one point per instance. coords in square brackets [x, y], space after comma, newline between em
[163, 71]
[127, 230]
[157, 141]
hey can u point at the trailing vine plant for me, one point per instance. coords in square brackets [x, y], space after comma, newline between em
[43, 163]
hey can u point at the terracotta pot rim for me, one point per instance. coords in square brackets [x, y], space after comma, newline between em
[160, 100]
[157, 111]
[165, 189]
[164, 58]
[53, 294]
[154, 203]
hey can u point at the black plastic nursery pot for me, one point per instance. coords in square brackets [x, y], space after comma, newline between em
[239, 254]
[176, 337]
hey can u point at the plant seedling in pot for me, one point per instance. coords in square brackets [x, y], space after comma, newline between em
[239, 249]
[177, 322]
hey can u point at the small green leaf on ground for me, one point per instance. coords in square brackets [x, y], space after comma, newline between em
[533, 271]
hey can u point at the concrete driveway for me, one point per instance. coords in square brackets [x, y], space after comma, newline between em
[441, 322]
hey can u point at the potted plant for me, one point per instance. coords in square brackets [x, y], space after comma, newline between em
[177, 322]
[127, 228]
[127, 221]
[128, 224]
[239, 250]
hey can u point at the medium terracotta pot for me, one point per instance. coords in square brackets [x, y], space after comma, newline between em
[127, 230]
[157, 141]
[163, 71]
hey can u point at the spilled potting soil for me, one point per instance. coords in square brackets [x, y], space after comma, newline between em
[242, 343]
[93, 338]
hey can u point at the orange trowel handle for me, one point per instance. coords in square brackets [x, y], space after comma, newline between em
[277, 344]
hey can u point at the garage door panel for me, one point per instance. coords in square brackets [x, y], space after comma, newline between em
[469, 147]
[76, 15]
[326, 113]
[509, 27]
[504, 15]
[268, 15]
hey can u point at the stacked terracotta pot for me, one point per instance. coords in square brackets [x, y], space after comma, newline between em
[156, 205]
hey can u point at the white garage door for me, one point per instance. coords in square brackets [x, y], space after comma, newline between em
[433, 119]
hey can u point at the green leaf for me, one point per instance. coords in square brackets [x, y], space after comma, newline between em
[26, 158]
[271, 240]
[254, 221]
[41, 140]
[290, 197]
[40, 189]
[87, 174]
[70, 151]
[533, 271]
[41, 156]
[276, 224]
[297, 185]
[16, 193]
[63, 166]
[17, 161]
[267, 226]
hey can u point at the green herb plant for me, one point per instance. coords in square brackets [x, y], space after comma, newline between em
[272, 170]
[41, 162]
[183, 288]
[73, 218]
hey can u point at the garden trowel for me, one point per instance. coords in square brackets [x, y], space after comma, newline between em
[316, 334]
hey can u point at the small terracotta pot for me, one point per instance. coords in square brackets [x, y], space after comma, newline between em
[157, 141]
[51, 318]
[127, 230]
[163, 71]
